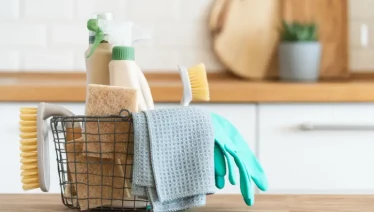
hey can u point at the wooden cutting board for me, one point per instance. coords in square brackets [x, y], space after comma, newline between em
[246, 37]
[332, 19]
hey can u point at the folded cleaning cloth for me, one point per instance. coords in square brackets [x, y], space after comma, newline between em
[173, 157]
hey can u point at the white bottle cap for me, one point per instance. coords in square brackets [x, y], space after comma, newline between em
[102, 16]
[105, 15]
[122, 33]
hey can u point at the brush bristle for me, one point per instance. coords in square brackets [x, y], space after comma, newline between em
[28, 147]
[199, 83]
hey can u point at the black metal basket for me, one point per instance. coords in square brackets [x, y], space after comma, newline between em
[66, 131]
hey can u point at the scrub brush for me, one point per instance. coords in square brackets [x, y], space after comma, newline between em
[195, 84]
[34, 144]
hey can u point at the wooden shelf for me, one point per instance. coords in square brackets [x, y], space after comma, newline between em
[166, 87]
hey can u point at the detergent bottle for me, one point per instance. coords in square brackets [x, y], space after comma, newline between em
[123, 70]
[99, 52]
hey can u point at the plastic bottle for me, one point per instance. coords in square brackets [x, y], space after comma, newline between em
[99, 52]
[123, 70]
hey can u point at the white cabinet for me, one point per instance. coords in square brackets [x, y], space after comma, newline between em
[242, 116]
[317, 161]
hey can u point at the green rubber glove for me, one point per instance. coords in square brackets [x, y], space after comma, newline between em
[245, 181]
[233, 145]
[220, 157]
[219, 167]
[254, 167]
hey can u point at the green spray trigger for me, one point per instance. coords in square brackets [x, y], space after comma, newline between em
[92, 25]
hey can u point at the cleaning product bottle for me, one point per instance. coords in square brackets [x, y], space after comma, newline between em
[123, 71]
[99, 52]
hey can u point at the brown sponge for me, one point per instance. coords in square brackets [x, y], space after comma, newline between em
[98, 181]
[103, 100]
[72, 133]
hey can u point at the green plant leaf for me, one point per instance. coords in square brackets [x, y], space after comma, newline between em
[297, 31]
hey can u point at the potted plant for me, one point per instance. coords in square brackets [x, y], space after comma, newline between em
[299, 52]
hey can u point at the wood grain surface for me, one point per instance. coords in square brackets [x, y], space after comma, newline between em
[332, 19]
[166, 87]
[245, 35]
[233, 203]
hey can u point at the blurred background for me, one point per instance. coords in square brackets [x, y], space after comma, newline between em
[361, 35]
[51, 35]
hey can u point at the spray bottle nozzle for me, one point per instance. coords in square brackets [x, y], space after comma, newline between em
[119, 33]
[123, 34]
[92, 25]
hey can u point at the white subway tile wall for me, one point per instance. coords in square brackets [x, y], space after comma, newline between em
[51, 35]
[361, 13]
[48, 59]
[48, 9]
[10, 11]
[9, 60]
[23, 35]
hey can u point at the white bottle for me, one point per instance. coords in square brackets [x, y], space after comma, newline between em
[123, 71]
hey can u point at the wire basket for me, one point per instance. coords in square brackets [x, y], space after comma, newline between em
[91, 152]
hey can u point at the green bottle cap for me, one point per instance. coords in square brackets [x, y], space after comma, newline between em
[123, 53]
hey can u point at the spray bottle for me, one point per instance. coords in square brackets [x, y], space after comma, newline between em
[99, 52]
[123, 71]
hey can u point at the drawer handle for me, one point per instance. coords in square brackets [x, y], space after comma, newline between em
[324, 127]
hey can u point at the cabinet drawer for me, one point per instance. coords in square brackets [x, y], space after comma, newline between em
[334, 158]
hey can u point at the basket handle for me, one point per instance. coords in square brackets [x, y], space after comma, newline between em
[127, 113]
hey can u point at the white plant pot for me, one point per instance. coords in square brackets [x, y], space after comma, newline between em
[299, 61]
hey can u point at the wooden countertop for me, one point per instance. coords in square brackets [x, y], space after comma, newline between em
[234, 203]
[166, 87]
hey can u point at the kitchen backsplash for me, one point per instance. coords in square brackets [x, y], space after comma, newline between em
[362, 54]
[51, 35]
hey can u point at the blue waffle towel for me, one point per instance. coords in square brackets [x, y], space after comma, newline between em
[173, 157]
